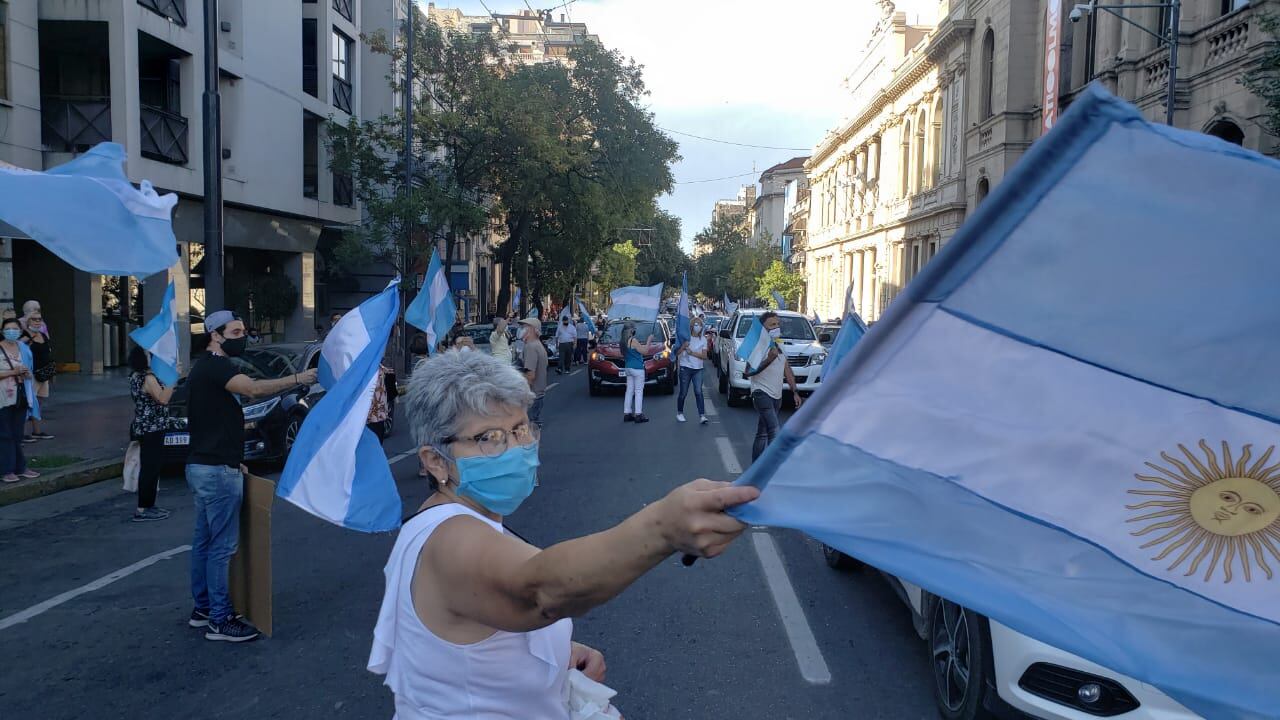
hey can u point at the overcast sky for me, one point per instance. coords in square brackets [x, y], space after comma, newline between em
[749, 71]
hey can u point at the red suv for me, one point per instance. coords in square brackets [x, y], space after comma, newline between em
[606, 360]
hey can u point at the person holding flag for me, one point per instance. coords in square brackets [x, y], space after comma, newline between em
[693, 357]
[150, 421]
[766, 368]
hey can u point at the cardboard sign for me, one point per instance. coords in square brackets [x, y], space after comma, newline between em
[251, 565]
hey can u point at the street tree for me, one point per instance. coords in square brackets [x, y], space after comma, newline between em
[1263, 79]
[718, 245]
[782, 279]
[662, 260]
[748, 266]
[616, 267]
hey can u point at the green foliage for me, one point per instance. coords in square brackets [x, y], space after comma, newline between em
[786, 282]
[263, 297]
[719, 243]
[749, 265]
[1264, 79]
[616, 267]
[663, 259]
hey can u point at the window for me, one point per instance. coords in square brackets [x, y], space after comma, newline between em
[984, 187]
[987, 68]
[905, 169]
[310, 155]
[920, 137]
[1229, 6]
[936, 141]
[341, 56]
[310, 51]
[1228, 131]
[4, 50]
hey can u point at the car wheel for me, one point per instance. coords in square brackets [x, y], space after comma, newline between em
[838, 560]
[736, 397]
[958, 652]
[593, 388]
[291, 433]
[723, 380]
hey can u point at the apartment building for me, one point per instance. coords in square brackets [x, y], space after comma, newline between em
[79, 72]
[768, 218]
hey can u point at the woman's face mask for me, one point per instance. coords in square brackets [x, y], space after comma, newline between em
[501, 483]
[12, 334]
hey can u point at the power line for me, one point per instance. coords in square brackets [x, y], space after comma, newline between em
[727, 177]
[730, 142]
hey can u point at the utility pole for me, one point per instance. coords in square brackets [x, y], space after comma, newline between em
[212, 105]
[408, 279]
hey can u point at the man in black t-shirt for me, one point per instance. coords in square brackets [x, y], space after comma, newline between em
[215, 473]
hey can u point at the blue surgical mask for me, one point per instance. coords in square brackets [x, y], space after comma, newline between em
[502, 482]
[12, 334]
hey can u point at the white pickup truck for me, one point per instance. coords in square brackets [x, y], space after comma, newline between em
[805, 354]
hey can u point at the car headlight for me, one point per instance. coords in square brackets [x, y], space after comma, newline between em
[817, 358]
[260, 410]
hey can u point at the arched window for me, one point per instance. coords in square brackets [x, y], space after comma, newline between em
[1228, 131]
[920, 151]
[984, 187]
[905, 169]
[988, 70]
[937, 143]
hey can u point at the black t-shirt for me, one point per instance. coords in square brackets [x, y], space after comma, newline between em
[214, 416]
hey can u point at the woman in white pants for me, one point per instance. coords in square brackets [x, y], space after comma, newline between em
[633, 351]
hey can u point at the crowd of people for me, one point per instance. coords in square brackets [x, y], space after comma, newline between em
[26, 378]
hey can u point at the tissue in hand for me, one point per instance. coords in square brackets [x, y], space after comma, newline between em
[589, 700]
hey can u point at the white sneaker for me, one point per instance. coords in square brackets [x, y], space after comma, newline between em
[679, 417]
[703, 419]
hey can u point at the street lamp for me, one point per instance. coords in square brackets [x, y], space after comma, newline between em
[1169, 35]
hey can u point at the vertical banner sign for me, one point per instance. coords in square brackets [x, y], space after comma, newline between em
[1052, 55]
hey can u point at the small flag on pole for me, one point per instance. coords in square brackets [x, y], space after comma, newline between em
[337, 469]
[586, 317]
[515, 301]
[755, 346]
[160, 338]
[851, 331]
[432, 311]
[777, 298]
[683, 330]
[729, 307]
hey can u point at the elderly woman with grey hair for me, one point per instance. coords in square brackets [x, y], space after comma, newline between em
[475, 623]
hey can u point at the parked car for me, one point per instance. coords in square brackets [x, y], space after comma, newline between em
[712, 323]
[800, 343]
[605, 363]
[982, 669]
[271, 424]
[480, 332]
[549, 341]
[827, 333]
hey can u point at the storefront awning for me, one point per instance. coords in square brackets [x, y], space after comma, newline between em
[248, 229]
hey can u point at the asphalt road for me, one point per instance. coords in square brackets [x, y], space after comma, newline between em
[708, 641]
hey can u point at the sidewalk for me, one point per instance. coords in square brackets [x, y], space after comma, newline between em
[89, 417]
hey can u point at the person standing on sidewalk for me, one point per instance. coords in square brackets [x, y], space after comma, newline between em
[693, 356]
[215, 473]
[534, 365]
[766, 386]
[150, 421]
[42, 367]
[584, 338]
[566, 339]
[17, 401]
[633, 351]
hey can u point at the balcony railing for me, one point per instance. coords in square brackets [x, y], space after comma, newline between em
[343, 190]
[164, 136]
[342, 94]
[344, 8]
[74, 124]
[311, 80]
[175, 10]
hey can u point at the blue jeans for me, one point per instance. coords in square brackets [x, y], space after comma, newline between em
[217, 490]
[767, 424]
[691, 376]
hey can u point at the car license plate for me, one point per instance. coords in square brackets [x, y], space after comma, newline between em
[177, 439]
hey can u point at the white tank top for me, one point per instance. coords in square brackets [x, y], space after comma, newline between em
[506, 676]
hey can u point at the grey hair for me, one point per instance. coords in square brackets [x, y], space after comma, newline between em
[450, 387]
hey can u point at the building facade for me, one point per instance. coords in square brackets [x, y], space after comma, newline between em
[940, 112]
[130, 71]
[768, 217]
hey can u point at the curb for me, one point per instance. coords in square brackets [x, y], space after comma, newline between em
[59, 479]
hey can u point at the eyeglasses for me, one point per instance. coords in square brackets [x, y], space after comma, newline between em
[494, 442]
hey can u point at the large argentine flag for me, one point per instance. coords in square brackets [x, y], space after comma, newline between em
[637, 303]
[337, 469]
[89, 214]
[160, 338]
[755, 345]
[1098, 470]
[433, 311]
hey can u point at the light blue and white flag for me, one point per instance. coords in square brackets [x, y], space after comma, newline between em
[1103, 474]
[337, 469]
[755, 345]
[780, 301]
[586, 317]
[160, 338]
[433, 311]
[534, 312]
[637, 303]
[729, 307]
[851, 331]
[89, 214]
[683, 329]
[515, 301]
[566, 311]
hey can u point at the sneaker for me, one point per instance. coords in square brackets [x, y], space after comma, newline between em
[702, 420]
[233, 629]
[27, 439]
[640, 418]
[199, 618]
[29, 474]
[42, 436]
[11, 478]
[680, 417]
[625, 418]
[149, 514]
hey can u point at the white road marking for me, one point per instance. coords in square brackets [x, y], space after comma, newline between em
[813, 668]
[552, 386]
[711, 407]
[105, 580]
[397, 458]
[731, 464]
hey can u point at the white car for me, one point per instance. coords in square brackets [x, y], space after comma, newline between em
[983, 670]
[805, 354]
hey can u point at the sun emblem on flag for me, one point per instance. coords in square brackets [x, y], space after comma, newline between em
[1212, 514]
